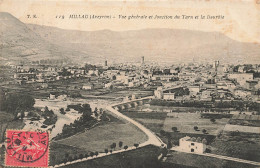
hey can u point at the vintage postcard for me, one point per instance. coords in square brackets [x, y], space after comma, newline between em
[131, 83]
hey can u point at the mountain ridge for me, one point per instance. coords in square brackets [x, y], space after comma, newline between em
[156, 43]
[19, 44]
[20, 41]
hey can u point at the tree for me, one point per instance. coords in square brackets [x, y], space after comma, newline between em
[22, 115]
[96, 153]
[193, 139]
[198, 139]
[175, 129]
[101, 111]
[86, 155]
[164, 151]
[66, 155]
[70, 158]
[204, 141]
[162, 132]
[111, 151]
[120, 144]
[106, 151]
[47, 112]
[136, 145]
[196, 128]
[87, 112]
[16, 103]
[113, 146]
[65, 72]
[204, 131]
[96, 112]
[213, 120]
[125, 147]
[92, 154]
[62, 111]
[81, 156]
[168, 135]
[169, 144]
[46, 109]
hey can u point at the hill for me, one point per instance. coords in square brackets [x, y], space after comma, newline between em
[18, 44]
[27, 43]
[173, 45]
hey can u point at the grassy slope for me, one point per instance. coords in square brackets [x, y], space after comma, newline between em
[101, 137]
[203, 161]
[145, 157]
[240, 147]
[98, 139]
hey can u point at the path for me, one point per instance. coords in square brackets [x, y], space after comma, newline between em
[219, 157]
[152, 138]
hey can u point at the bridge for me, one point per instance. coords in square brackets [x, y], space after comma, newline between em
[131, 103]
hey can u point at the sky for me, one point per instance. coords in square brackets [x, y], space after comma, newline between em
[241, 17]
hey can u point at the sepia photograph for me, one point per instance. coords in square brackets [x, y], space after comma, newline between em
[130, 84]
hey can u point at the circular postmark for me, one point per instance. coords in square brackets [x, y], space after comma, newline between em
[26, 146]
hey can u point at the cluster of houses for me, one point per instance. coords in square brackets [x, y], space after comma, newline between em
[204, 81]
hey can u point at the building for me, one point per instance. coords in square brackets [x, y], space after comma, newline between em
[195, 145]
[62, 97]
[206, 95]
[158, 93]
[168, 96]
[133, 97]
[241, 78]
[108, 85]
[251, 84]
[87, 87]
[242, 93]
[194, 90]
[142, 60]
[52, 96]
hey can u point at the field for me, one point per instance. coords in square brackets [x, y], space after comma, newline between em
[185, 123]
[101, 137]
[151, 120]
[157, 118]
[58, 152]
[244, 146]
[240, 128]
[190, 160]
[145, 157]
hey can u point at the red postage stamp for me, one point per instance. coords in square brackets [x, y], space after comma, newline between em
[27, 149]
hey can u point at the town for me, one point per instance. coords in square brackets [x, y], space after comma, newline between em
[209, 109]
[209, 82]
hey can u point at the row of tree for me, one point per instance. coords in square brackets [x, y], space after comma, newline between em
[237, 104]
[69, 158]
[16, 103]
